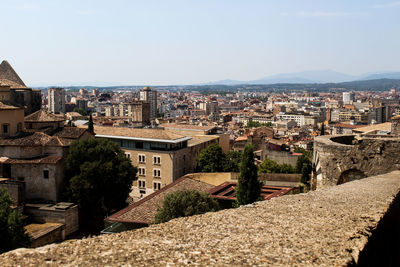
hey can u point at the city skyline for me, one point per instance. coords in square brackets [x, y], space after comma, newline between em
[157, 43]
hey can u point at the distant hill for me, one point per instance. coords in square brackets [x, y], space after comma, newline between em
[307, 77]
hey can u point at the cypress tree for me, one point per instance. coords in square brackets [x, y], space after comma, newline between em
[90, 126]
[248, 188]
[323, 129]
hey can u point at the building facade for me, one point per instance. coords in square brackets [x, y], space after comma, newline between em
[149, 95]
[56, 97]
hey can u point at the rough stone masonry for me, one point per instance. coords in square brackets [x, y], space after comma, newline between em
[326, 227]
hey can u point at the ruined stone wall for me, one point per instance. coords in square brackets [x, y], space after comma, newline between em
[340, 159]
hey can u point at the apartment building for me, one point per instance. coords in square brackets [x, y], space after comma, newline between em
[56, 100]
[161, 156]
[299, 119]
[149, 95]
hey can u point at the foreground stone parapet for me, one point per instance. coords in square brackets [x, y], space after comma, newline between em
[327, 227]
[339, 159]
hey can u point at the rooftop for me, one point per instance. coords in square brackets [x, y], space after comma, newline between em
[7, 107]
[9, 77]
[160, 135]
[335, 226]
[144, 210]
[43, 116]
[186, 127]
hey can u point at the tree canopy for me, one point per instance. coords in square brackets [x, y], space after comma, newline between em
[248, 189]
[211, 159]
[255, 124]
[12, 232]
[232, 161]
[99, 177]
[271, 166]
[185, 203]
[80, 111]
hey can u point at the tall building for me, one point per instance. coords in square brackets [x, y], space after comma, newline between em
[146, 94]
[348, 97]
[56, 100]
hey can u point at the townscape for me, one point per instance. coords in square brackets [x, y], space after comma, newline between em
[156, 162]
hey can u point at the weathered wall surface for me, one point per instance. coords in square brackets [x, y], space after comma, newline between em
[43, 214]
[282, 157]
[327, 227]
[339, 159]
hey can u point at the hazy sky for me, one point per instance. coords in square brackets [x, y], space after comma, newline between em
[193, 41]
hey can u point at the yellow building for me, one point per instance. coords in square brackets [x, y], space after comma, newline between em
[11, 120]
[5, 93]
[161, 156]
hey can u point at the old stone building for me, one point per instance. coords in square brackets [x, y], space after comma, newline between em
[19, 94]
[36, 156]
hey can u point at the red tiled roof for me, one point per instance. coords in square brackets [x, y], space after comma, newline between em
[144, 210]
[44, 160]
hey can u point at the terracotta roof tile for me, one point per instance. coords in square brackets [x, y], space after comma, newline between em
[137, 133]
[7, 107]
[144, 210]
[35, 139]
[8, 73]
[43, 116]
[70, 132]
[44, 160]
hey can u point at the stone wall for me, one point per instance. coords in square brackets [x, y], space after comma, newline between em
[282, 157]
[354, 223]
[343, 158]
[396, 126]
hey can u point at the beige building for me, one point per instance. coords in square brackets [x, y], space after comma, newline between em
[11, 120]
[160, 155]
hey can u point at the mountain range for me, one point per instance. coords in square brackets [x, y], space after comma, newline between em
[316, 76]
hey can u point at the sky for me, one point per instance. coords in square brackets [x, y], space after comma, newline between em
[169, 42]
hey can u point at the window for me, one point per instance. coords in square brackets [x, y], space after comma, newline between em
[141, 158]
[45, 174]
[157, 160]
[19, 127]
[142, 171]
[156, 186]
[142, 184]
[128, 155]
[5, 128]
[157, 173]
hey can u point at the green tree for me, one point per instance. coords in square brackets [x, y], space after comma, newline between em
[211, 159]
[90, 126]
[80, 111]
[271, 166]
[99, 178]
[248, 189]
[12, 232]
[305, 174]
[301, 160]
[232, 161]
[185, 203]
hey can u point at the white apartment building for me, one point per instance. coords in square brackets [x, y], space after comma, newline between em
[299, 119]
